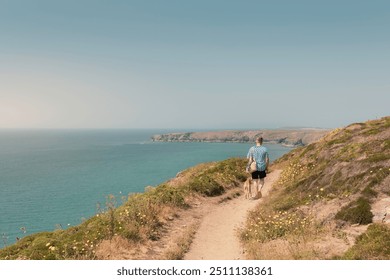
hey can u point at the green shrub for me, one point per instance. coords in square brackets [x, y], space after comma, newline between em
[165, 194]
[368, 192]
[213, 181]
[374, 244]
[378, 157]
[357, 212]
[206, 186]
[386, 144]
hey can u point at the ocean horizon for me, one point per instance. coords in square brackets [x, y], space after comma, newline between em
[54, 179]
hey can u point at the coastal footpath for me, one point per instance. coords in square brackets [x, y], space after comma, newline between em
[287, 137]
[329, 200]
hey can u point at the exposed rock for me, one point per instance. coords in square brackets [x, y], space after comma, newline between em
[381, 210]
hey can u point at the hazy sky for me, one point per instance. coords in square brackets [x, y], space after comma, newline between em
[193, 64]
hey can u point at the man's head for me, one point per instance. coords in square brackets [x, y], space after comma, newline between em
[259, 140]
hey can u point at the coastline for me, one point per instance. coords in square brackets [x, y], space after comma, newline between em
[291, 138]
[89, 166]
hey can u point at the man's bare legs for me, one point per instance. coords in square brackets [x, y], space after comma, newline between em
[254, 188]
[258, 185]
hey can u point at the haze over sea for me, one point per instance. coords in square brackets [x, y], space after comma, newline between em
[54, 178]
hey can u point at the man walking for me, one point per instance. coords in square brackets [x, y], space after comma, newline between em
[258, 153]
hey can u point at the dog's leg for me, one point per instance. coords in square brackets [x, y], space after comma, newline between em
[246, 189]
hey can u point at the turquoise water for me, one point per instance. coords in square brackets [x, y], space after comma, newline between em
[54, 179]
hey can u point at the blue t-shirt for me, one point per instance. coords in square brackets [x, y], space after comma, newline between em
[260, 154]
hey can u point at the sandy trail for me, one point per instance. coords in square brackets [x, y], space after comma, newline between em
[217, 237]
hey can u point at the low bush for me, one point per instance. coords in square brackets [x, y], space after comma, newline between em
[356, 212]
[374, 244]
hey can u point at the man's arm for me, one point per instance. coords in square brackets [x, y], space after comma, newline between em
[249, 156]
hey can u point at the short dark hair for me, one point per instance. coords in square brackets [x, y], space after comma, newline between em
[259, 140]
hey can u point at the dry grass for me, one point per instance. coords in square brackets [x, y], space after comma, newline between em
[181, 245]
[275, 234]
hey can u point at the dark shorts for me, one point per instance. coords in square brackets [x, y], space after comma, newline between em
[259, 175]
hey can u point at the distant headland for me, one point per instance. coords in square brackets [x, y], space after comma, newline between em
[286, 137]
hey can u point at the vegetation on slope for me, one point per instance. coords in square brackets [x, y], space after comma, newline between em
[324, 188]
[139, 219]
[374, 244]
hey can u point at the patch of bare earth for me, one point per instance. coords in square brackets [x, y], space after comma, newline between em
[217, 237]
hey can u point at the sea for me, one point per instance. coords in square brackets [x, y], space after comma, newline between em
[55, 179]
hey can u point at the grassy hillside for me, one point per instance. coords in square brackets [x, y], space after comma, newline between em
[328, 192]
[332, 201]
[140, 219]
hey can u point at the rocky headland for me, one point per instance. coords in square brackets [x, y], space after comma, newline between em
[287, 137]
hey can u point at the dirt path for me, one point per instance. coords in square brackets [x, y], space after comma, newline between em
[217, 237]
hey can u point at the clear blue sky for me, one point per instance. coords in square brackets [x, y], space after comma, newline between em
[193, 64]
